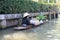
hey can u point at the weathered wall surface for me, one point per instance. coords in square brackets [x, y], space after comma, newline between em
[7, 20]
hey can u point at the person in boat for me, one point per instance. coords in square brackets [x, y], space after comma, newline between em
[26, 20]
[29, 21]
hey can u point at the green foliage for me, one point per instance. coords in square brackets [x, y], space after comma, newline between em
[21, 6]
[18, 6]
[41, 17]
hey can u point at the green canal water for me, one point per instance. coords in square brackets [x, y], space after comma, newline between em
[48, 31]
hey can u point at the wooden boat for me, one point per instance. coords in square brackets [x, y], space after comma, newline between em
[28, 27]
[19, 28]
[22, 28]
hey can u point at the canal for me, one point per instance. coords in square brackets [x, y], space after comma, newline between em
[48, 31]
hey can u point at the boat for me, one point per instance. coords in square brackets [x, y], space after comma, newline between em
[29, 26]
[22, 28]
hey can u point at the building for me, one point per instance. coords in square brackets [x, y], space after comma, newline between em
[52, 2]
[35, 0]
[49, 1]
[57, 2]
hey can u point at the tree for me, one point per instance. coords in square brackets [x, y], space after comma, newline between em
[21, 6]
[18, 6]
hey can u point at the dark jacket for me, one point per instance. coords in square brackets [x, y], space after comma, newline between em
[26, 21]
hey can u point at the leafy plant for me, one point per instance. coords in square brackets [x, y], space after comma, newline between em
[21, 6]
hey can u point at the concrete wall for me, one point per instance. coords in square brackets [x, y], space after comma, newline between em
[7, 20]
